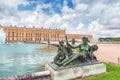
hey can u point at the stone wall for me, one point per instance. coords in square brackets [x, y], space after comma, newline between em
[45, 75]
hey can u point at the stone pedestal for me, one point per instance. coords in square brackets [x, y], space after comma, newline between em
[75, 72]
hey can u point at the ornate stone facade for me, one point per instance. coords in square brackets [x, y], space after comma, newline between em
[37, 35]
[23, 34]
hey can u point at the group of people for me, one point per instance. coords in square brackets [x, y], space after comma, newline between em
[66, 55]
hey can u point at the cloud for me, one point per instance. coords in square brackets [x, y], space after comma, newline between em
[9, 6]
[80, 26]
[103, 16]
[81, 7]
[8, 11]
[66, 9]
[96, 11]
[99, 30]
[108, 15]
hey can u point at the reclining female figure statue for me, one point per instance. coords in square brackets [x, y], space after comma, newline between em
[83, 50]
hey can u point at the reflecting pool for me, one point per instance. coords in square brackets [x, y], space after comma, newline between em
[20, 58]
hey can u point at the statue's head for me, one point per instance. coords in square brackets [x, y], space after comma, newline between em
[73, 41]
[61, 42]
[85, 40]
[94, 47]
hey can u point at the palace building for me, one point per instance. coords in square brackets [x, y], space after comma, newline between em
[23, 34]
[78, 37]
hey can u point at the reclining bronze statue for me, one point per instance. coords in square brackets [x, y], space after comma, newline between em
[65, 55]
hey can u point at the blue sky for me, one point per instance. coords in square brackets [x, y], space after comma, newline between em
[101, 18]
[33, 3]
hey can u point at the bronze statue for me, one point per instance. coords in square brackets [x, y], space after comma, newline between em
[68, 48]
[90, 54]
[83, 49]
[61, 53]
[65, 55]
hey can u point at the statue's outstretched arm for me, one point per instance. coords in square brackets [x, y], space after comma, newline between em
[69, 44]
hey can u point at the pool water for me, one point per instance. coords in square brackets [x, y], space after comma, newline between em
[20, 58]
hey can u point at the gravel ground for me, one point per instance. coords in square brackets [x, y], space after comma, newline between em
[108, 52]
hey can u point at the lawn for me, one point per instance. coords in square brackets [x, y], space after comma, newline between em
[113, 73]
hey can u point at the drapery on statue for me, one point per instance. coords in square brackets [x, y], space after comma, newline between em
[85, 53]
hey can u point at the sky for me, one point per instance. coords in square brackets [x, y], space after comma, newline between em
[100, 18]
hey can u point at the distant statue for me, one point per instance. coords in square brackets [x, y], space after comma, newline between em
[73, 41]
[61, 53]
[48, 42]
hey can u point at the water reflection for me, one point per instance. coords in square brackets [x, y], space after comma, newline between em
[48, 48]
[19, 59]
